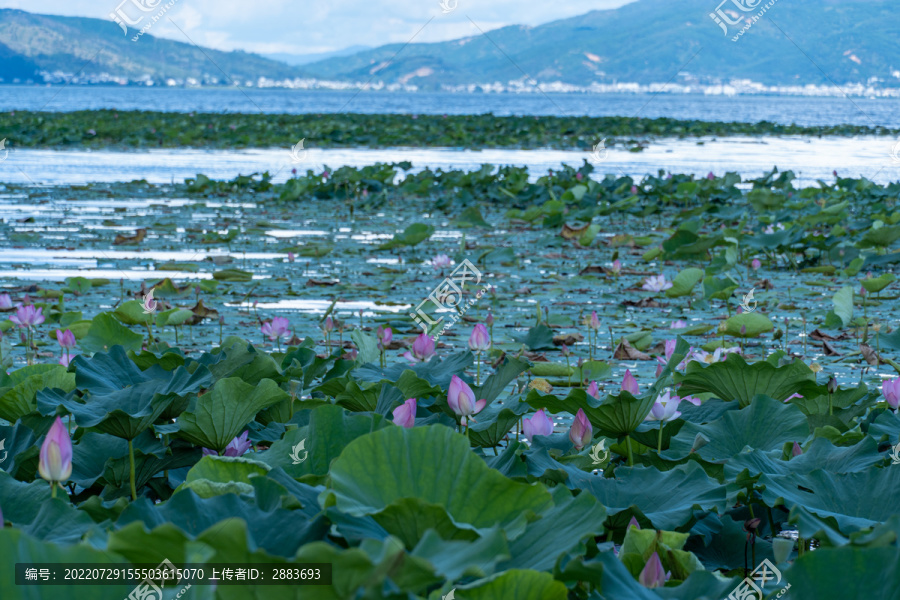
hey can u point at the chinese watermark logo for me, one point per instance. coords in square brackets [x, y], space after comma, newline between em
[132, 16]
[600, 153]
[448, 6]
[298, 153]
[895, 454]
[3, 150]
[448, 295]
[725, 17]
[3, 452]
[149, 303]
[295, 452]
[451, 595]
[752, 587]
[148, 590]
[597, 450]
[745, 303]
[895, 152]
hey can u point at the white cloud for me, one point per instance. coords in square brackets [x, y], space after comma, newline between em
[309, 27]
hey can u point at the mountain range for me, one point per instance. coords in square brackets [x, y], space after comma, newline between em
[795, 42]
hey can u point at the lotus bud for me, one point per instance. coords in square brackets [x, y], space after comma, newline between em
[595, 321]
[891, 391]
[581, 431]
[832, 385]
[405, 414]
[633, 523]
[489, 320]
[781, 548]
[593, 390]
[796, 450]
[55, 464]
[461, 398]
[630, 384]
[538, 424]
[653, 575]
[755, 265]
[479, 341]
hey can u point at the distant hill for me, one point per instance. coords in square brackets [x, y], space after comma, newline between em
[31, 43]
[796, 43]
[653, 41]
[305, 59]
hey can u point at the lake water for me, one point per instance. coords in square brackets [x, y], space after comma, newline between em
[751, 157]
[752, 109]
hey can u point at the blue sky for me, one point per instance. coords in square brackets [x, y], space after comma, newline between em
[306, 27]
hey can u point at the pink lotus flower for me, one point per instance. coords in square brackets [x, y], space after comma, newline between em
[630, 384]
[634, 190]
[479, 341]
[538, 424]
[796, 450]
[579, 176]
[617, 267]
[581, 431]
[656, 283]
[711, 176]
[489, 319]
[55, 464]
[65, 338]
[653, 575]
[593, 390]
[66, 359]
[385, 335]
[461, 399]
[329, 325]
[595, 321]
[5, 301]
[755, 264]
[236, 447]
[28, 316]
[405, 414]
[290, 257]
[422, 349]
[275, 329]
[678, 325]
[441, 261]
[891, 390]
[670, 348]
[665, 408]
[633, 523]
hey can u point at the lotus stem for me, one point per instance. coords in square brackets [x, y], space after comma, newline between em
[131, 468]
[53, 489]
[628, 446]
[659, 446]
[478, 368]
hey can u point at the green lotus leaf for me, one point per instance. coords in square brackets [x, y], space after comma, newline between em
[106, 332]
[221, 414]
[667, 499]
[132, 313]
[26, 549]
[845, 498]
[734, 379]
[616, 416]
[876, 284]
[683, 283]
[330, 430]
[765, 425]
[519, 584]
[19, 392]
[753, 324]
[382, 467]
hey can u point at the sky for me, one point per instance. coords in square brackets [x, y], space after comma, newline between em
[305, 27]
